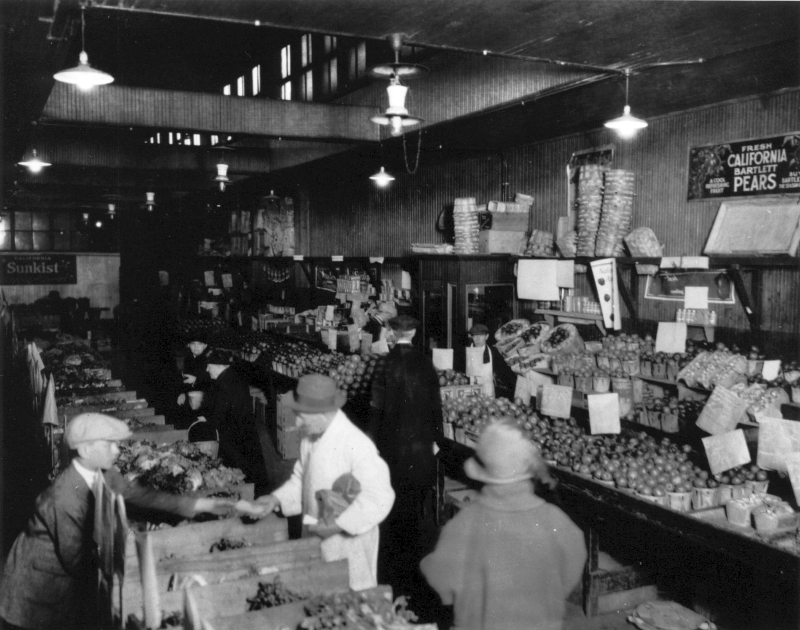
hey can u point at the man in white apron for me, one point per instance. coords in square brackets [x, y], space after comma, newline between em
[487, 366]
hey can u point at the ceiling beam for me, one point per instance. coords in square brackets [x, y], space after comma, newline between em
[210, 113]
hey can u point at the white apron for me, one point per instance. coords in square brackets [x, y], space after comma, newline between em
[483, 373]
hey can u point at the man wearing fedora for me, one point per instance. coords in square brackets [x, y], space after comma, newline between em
[406, 422]
[332, 446]
[508, 560]
[228, 417]
[49, 580]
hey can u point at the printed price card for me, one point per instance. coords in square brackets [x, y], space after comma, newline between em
[777, 441]
[726, 450]
[227, 280]
[443, 358]
[671, 337]
[722, 412]
[209, 278]
[604, 413]
[556, 401]
[696, 297]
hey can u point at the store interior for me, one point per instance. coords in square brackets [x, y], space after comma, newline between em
[227, 182]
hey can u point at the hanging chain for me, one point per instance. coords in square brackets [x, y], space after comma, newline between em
[405, 153]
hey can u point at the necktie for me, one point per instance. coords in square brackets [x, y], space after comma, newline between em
[486, 356]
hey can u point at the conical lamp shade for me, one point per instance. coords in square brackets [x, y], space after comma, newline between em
[382, 178]
[83, 75]
[626, 125]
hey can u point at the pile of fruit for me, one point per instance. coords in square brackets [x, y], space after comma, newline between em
[448, 378]
[363, 610]
[272, 594]
[353, 374]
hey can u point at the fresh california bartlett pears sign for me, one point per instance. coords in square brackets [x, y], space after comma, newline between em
[765, 166]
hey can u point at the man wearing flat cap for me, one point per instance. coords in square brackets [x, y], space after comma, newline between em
[405, 422]
[376, 326]
[488, 365]
[49, 580]
[331, 447]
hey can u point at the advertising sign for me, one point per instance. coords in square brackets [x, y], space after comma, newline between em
[766, 166]
[38, 269]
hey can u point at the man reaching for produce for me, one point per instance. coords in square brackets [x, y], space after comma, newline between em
[333, 446]
[49, 581]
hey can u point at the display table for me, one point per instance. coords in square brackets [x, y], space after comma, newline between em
[593, 504]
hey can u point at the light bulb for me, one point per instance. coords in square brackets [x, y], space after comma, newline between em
[397, 125]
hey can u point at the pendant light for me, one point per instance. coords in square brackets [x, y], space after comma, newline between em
[626, 125]
[112, 210]
[83, 75]
[396, 115]
[151, 201]
[222, 176]
[382, 178]
[34, 164]
[397, 69]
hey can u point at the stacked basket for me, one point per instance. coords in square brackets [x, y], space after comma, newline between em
[465, 222]
[589, 203]
[617, 212]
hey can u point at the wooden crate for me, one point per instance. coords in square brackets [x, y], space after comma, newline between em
[214, 568]
[501, 242]
[163, 437]
[756, 226]
[287, 616]
[230, 598]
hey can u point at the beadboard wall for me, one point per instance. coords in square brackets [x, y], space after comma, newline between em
[347, 215]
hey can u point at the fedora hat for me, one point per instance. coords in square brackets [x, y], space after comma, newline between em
[503, 455]
[315, 393]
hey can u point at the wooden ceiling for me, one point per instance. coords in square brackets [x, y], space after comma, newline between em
[176, 48]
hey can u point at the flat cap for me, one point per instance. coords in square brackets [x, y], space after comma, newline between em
[403, 323]
[87, 427]
[478, 329]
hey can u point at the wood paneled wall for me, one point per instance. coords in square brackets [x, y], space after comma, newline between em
[347, 215]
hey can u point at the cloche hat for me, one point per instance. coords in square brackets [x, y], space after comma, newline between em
[88, 427]
[315, 393]
[503, 455]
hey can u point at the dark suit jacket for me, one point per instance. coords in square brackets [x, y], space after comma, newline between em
[505, 380]
[408, 415]
[229, 411]
[196, 366]
[49, 580]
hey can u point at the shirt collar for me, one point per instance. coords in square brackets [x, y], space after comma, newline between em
[89, 476]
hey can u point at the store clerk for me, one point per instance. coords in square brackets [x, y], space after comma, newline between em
[49, 580]
[376, 326]
[488, 366]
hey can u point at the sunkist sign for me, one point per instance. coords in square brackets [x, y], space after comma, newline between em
[38, 269]
[765, 166]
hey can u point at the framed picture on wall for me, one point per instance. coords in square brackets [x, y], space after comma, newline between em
[671, 285]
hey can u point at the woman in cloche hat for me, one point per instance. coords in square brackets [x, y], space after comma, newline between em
[508, 560]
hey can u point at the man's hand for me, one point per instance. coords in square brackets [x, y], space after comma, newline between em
[181, 399]
[268, 503]
[217, 506]
[189, 379]
[324, 531]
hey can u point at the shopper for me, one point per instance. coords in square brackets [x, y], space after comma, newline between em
[491, 369]
[508, 560]
[49, 580]
[406, 422]
[227, 416]
[376, 326]
[333, 446]
[195, 361]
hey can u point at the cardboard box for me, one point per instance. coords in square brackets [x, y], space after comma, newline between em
[510, 221]
[501, 242]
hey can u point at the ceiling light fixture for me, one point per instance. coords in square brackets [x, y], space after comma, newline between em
[34, 164]
[626, 125]
[382, 178]
[397, 69]
[396, 116]
[112, 210]
[83, 75]
[151, 201]
[222, 176]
